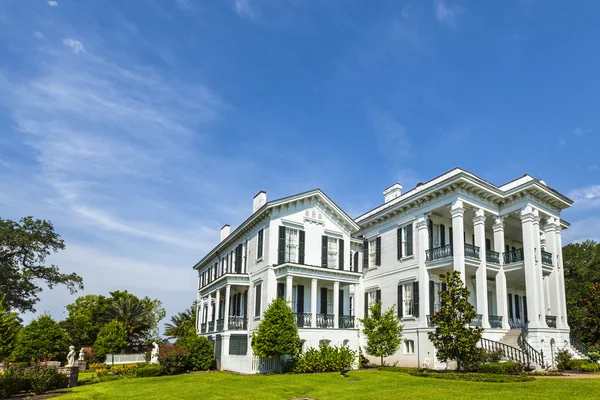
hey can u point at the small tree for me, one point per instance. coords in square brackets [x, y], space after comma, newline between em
[112, 338]
[43, 337]
[277, 334]
[9, 328]
[201, 352]
[383, 331]
[453, 338]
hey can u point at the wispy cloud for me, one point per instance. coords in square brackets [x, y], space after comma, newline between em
[75, 45]
[53, 3]
[580, 132]
[447, 15]
[244, 9]
[585, 197]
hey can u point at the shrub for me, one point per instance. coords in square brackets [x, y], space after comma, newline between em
[277, 333]
[149, 370]
[576, 364]
[93, 366]
[501, 368]
[594, 353]
[125, 370]
[494, 356]
[473, 377]
[562, 358]
[324, 359]
[43, 337]
[12, 382]
[201, 352]
[41, 378]
[173, 359]
[589, 367]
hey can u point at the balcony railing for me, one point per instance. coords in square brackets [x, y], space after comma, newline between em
[492, 256]
[495, 321]
[303, 320]
[471, 251]
[546, 258]
[438, 253]
[203, 327]
[220, 323]
[211, 326]
[430, 324]
[551, 321]
[516, 323]
[325, 320]
[477, 321]
[513, 256]
[346, 322]
[237, 323]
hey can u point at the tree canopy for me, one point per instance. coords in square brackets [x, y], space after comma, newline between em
[24, 246]
[111, 339]
[43, 337]
[454, 338]
[383, 331]
[9, 328]
[277, 333]
[86, 317]
[182, 323]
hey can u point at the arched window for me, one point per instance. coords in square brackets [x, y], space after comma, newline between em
[314, 214]
[346, 343]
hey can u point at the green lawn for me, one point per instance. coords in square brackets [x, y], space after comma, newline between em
[377, 385]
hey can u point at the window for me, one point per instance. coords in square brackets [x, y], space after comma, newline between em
[405, 241]
[409, 346]
[238, 345]
[259, 249]
[332, 252]
[436, 236]
[371, 298]
[408, 300]
[373, 252]
[346, 343]
[257, 299]
[324, 342]
[291, 245]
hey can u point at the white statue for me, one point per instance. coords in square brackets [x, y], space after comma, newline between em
[71, 357]
[81, 355]
[154, 354]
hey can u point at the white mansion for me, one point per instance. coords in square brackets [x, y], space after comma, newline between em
[505, 240]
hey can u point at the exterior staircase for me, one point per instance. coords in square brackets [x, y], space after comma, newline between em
[515, 348]
[511, 338]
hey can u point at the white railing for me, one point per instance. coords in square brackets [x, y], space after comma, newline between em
[125, 358]
[264, 365]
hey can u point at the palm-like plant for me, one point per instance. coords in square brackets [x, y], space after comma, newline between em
[135, 316]
[182, 323]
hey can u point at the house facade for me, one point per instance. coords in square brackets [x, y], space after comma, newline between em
[505, 241]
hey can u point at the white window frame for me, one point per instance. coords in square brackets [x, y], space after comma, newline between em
[292, 247]
[333, 254]
[409, 346]
[263, 244]
[373, 253]
[407, 301]
[437, 237]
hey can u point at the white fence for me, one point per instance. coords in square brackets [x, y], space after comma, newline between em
[125, 358]
[264, 365]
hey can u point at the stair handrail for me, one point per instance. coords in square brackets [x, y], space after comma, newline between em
[510, 352]
[578, 345]
[533, 355]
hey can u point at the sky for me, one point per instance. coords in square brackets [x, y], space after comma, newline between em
[139, 128]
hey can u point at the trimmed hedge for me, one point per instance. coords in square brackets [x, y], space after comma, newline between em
[502, 368]
[150, 370]
[472, 377]
[324, 359]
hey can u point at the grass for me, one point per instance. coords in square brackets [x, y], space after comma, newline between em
[358, 385]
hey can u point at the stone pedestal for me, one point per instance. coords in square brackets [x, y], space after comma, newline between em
[82, 365]
[72, 374]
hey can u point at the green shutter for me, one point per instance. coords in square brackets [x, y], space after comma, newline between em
[366, 254]
[281, 246]
[323, 251]
[341, 253]
[378, 251]
[415, 310]
[399, 243]
[400, 302]
[409, 240]
[301, 241]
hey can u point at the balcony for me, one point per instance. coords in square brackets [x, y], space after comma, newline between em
[237, 323]
[546, 258]
[477, 321]
[346, 322]
[325, 320]
[551, 321]
[203, 327]
[303, 320]
[439, 253]
[471, 251]
[495, 321]
[492, 256]
[513, 256]
[211, 326]
[220, 323]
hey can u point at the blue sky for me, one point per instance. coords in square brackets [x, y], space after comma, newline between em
[139, 128]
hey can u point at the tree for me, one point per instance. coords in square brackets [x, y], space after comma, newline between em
[277, 333]
[582, 269]
[9, 328]
[201, 352]
[112, 339]
[24, 246]
[140, 317]
[43, 337]
[182, 323]
[85, 319]
[383, 331]
[453, 338]
[590, 320]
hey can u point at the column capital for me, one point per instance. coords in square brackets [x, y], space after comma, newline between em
[457, 209]
[422, 221]
[479, 217]
[530, 214]
[498, 223]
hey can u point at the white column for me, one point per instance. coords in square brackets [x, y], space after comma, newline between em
[561, 278]
[288, 289]
[458, 237]
[209, 311]
[538, 269]
[313, 302]
[553, 280]
[199, 309]
[501, 292]
[529, 260]
[481, 274]
[422, 246]
[217, 307]
[227, 298]
[336, 304]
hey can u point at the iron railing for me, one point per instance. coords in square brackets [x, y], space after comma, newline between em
[515, 323]
[546, 258]
[492, 256]
[533, 356]
[430, 323]
[510, 352]
[477, 321]
[203, 327]
[438, 253]
[495, 321]
[211, 326]
[471, 251]
[578, 345]
[551, 321]
[513, 256]
[346, 321]
[325, 320]
[220, 324]
[237, 323]
[303, 320]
